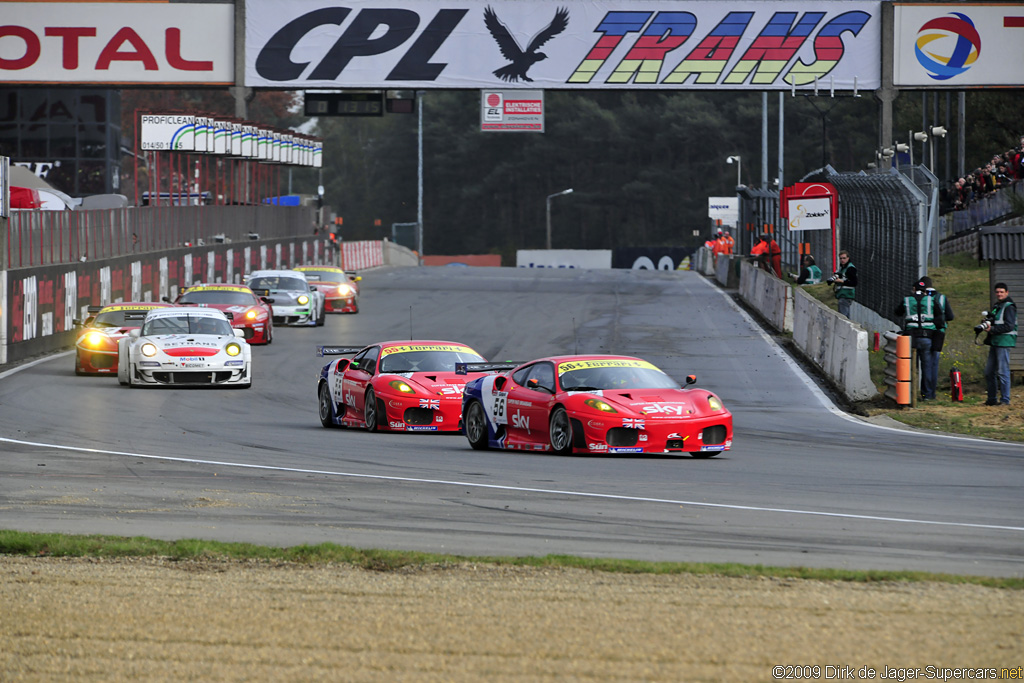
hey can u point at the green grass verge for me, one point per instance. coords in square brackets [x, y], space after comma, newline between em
[62, 545]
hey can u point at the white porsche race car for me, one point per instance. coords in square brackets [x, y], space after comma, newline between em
[185, 347]
[294, 300]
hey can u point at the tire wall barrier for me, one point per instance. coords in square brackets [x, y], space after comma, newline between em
[38, 305]
[836, 345]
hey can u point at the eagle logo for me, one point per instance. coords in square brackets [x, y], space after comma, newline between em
[521, 59]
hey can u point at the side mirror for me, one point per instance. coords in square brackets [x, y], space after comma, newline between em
[77, 322]
[534, 383]
[166, 299]
[691, 379]
[135, 334]
[238, 332]
[266, 300]
[357, 278]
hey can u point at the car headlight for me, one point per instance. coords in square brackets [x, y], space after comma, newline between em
[303, 300]
[251, 314]
[148, 350]
[714, 403]
[598, 404]
[400, 386]
[232, 349]
[94, 339]
[345, 290]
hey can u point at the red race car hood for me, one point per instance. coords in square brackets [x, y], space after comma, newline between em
[439, 383]
[656, 403]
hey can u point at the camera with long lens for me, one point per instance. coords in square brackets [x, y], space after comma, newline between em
[833, 277]
[987, 319]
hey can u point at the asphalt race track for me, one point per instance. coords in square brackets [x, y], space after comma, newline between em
[805, 484]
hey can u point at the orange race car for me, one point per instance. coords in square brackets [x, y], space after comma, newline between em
[96, 348]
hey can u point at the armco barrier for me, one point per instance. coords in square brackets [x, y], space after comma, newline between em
[38, 305]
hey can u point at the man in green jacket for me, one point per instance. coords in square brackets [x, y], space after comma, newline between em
[1001, 326]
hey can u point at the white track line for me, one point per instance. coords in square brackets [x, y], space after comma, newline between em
[522, 489]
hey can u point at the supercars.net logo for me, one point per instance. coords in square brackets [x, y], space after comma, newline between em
[947, 46]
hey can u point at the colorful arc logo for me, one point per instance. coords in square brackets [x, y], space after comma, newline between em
[947, 46]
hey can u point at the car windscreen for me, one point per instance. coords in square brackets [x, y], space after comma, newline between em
[213, 296]
[279, 284]
[110, 319]
[186, 324]
[592, 378]
[427, 361]
[324, 275]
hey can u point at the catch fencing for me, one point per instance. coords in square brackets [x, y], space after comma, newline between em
[887, 222]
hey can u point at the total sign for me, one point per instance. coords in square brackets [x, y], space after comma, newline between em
[959, 45]
[116, 42]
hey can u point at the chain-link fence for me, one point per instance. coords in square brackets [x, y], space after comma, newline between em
[886, 222]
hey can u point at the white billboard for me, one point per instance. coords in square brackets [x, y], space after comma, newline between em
[658, 44]
[724, 209]
[810, 213]
[958, 45]
[168, 132]
[117, 42]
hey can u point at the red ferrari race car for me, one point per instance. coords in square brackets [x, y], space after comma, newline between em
[340, 287]
[247, 312]
[593, 404]
[402, 386]
[96, 348]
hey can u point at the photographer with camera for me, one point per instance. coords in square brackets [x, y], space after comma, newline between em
[1001, 325]
[924, 318]
[844, 283]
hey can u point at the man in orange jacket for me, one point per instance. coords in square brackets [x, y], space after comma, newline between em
[768, 254]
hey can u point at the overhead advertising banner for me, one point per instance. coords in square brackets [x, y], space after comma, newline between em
[724, 209]
[117, 42]
[512, 110]
[958, 45]
[600, 44]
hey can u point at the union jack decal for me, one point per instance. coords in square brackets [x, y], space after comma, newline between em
[632, 423]
[430, 403]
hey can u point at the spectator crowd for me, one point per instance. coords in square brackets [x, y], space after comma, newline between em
[1001, 171]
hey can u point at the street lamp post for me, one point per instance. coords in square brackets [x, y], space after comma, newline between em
[550, 197]
[739, 167]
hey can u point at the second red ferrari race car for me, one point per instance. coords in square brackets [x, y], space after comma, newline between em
[246, 311]
[340, 287]
[96, 347]
[402, 386]
[593, 404]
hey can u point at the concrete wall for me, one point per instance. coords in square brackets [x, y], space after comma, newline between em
[838, 346]
[395, 254]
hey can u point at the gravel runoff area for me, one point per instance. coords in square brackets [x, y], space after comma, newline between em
[160, 619]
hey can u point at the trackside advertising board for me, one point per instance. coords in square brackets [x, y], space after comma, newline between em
[514, 110]
[501, 44]
[960, 45]
[117, 42]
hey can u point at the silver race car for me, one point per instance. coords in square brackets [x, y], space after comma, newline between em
[185, 347]
[295, 300]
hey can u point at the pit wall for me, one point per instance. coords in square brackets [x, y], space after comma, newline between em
[38, 305]
[835, 344]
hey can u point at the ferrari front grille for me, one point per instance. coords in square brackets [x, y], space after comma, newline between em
[418, 416]
[102, 360]
[620, 437]
[713, 436]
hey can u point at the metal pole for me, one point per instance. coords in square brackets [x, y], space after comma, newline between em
[548, 241]
[419, 176]
[765, 184]
[782, 136]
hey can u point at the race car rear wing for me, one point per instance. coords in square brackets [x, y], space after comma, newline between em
[338, 350]
[466, 368]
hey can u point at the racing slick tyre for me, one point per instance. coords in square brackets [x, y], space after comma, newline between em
[370, 411]
[560, 431]
[321, 316]
[476, 426]
[326, 406]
